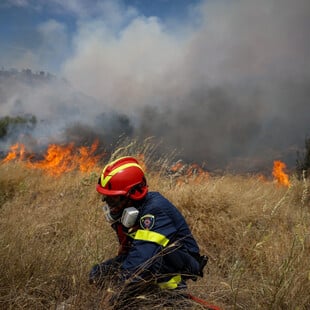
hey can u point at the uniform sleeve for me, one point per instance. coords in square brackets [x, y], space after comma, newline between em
[155, 231]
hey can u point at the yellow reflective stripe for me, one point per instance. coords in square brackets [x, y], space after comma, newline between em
[112, 163]
[152, 236]
[105, 180]
[171, 284]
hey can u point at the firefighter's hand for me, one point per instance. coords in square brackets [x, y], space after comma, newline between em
[94, 275]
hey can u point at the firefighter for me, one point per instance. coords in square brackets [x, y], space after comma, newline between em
[156, 244]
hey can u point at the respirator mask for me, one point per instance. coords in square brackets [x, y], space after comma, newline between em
[127, 217]
[113, 211]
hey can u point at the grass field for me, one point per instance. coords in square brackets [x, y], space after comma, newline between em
[255, 232]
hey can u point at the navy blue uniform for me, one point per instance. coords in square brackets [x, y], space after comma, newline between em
[160, 245]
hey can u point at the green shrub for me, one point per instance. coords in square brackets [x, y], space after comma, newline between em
[28, 121]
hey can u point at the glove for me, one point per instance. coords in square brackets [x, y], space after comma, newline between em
[94, 275]
[203, 260]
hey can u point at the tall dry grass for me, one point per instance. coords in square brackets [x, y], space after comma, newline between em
[255, 233]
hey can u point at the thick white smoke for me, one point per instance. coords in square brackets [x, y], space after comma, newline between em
[230, 86]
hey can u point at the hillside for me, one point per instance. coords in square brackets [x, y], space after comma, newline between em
[38, 109]
[255, 232]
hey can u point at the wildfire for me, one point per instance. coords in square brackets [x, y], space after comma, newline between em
[16, 151]
[186, 173]
[278, 173]
[58, 158]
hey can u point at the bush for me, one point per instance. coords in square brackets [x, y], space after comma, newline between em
[8, 123]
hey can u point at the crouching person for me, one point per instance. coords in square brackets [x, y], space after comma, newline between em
[157, 248]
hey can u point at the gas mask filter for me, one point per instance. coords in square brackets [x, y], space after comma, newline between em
[128, 217]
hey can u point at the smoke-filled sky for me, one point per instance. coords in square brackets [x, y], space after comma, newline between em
[224, 82]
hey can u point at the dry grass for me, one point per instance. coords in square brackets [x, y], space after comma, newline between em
[255, 233]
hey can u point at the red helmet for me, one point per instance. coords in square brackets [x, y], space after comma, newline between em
[123, 176]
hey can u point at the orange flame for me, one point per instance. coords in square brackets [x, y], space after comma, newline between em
[184, 173]
[279, 175]
[16, 151]
[59, 159]
[179, 166]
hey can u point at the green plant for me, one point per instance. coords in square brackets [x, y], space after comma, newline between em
[8, 122]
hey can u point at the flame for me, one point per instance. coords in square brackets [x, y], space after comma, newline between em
[188, 173]
[279, 175]
[178, 167]
[58, 158]
[16, 151]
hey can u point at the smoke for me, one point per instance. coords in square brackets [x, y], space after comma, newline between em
[228, 87]
[44, 110]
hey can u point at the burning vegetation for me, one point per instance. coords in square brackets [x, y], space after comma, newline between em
[247, 254]
[53, 231]
[279, 174]
[57, 159]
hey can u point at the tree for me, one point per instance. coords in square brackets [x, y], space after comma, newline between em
[8, 123]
